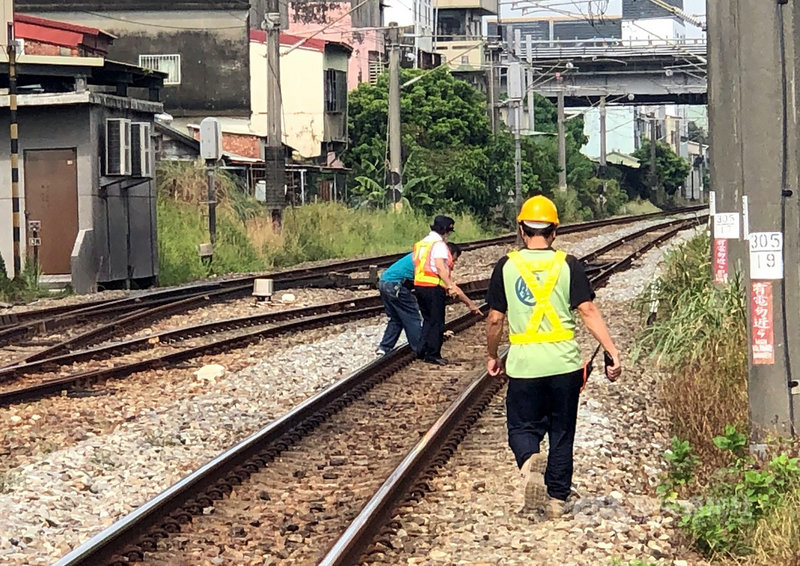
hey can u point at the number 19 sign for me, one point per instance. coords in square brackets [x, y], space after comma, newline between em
[766, 255]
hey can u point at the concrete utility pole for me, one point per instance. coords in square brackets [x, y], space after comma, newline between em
[754, 139]
[274, 157]
[562, 140]
[517, 154]
[516, 91]
[653, 175]
[16, 233]
[395, 134]
[531, 101]
[603, 134]
[492, 100]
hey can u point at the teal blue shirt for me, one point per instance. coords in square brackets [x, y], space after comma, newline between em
[400, 270]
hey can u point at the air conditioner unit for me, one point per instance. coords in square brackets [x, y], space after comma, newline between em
[118, 147]
[141, 160]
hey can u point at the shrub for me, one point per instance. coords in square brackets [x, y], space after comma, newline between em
[699, 336]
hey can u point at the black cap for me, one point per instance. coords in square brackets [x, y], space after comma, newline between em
[443, 224]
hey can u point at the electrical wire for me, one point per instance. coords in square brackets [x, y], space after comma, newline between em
[784, 195]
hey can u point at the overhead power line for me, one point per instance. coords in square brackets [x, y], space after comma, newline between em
[679, 13]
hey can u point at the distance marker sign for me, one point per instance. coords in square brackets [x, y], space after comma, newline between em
[766, 255]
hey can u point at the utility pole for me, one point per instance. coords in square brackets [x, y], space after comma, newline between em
[603, 135]
[653, 176]
[531, 102]
[8, 20]
[274, 157]
[562, 140]
[395, 135]
[517, 155]
[602, 199]
[754, 131]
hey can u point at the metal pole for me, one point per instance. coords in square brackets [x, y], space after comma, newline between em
[273, 153]
[395, 145]
[562, 142]
[212, 202]
[14, 131]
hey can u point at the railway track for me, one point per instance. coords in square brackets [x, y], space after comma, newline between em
[136, 311]
[42, 377]
[321, 470]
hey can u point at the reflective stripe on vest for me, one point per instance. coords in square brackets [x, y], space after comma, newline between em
[423, 275]
[541, 292]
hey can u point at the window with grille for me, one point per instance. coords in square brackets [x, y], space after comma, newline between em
[170, 64]
[335, 90]
[376, 66]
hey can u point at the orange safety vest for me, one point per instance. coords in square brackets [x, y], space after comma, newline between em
[423, 275]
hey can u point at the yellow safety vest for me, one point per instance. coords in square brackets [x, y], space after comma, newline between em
[423, 275]
[543, 309]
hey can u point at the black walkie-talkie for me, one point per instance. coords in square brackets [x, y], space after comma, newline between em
[609, 361]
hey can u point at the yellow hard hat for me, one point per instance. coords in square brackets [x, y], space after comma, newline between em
[539, 210]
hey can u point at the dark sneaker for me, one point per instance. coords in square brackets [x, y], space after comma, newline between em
[437, 361]
[535, 492]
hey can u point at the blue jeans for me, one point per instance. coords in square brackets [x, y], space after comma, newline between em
[403, 312]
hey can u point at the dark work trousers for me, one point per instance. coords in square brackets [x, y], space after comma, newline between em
[431, 304]
[403, 312]
[545, 405]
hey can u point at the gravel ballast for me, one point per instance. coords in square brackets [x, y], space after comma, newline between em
[57, 498]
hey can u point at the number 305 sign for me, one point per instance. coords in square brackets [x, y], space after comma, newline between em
[766, 255]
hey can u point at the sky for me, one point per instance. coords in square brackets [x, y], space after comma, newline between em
[582, 7]
[401, 10]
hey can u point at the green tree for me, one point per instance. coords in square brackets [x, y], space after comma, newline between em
[697, 133]
[671, 169]
[451, 158]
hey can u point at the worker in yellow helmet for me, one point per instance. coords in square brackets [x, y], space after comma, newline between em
[538, 288]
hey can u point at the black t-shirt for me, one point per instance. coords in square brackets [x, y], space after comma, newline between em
[580, 289]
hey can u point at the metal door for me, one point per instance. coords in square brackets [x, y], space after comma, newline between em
[51, 197]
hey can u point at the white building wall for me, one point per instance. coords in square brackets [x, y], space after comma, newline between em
[653, 30]
[303, 97]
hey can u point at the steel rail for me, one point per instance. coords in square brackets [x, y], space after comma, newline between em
[197, 490]
[346, 310]
[30, 322]
[131, 536]
[52, 386]
[169, 336]
[437, 445]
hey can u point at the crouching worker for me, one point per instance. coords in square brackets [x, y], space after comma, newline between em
[538, 288]
[395, 286]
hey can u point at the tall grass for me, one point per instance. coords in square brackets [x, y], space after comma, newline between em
[246, 240]
[699, 337]
[331, 230]
[777, 536]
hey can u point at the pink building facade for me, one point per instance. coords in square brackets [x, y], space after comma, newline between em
[356, 29]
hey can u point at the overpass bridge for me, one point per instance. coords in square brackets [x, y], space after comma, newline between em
[627, 72]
